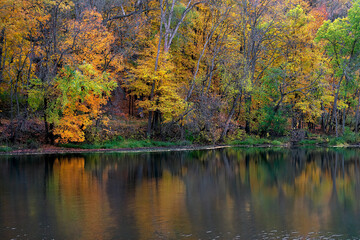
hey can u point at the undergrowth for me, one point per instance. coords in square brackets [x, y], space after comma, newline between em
[256, 140]
[128, 143]
[5, 149]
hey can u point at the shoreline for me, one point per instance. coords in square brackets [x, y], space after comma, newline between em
[62, 150]
[131, 150]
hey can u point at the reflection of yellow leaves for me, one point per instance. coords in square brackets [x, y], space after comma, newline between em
[162, 203]
[70, 178]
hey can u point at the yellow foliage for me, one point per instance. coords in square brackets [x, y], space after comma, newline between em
[166, 97]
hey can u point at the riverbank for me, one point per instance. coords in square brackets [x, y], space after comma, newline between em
[61, 150]
[131, 145]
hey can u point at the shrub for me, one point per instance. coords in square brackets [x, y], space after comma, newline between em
[5, 149]
[275, 122]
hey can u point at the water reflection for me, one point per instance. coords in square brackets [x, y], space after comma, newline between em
[226, 194]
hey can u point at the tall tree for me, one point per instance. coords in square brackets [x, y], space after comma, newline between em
[341, 38]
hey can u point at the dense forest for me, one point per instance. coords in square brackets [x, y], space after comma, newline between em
[201, 70]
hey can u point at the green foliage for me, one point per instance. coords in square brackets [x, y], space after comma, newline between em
[274, 123]
[189, 136]
[311, 142]
[350, 137]
[36, 94]
[202, 137]
[256, 140]
[336, 141]
[341, 41]
[119, 143]
[237, 135]
[5, 149]
[32, 144]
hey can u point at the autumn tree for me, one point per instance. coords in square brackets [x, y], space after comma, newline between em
[18, 21]
[256, 27]
[77, 97]
[64, 41]
[171, 15]
[165, 93]
[296, 75]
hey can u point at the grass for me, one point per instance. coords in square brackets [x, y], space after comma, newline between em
[5, 149]
[311, 142]
[349, 138]
[128, 143]
[248, 140]
[255, 140]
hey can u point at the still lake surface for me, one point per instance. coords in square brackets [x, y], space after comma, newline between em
[214, 194]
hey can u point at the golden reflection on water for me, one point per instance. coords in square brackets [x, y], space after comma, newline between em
[80, 196]
[159, 207]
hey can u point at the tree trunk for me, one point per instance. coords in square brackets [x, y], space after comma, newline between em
[148, 133]
[47, 128]
[323, 118]
[227, 123]
[357, 116]
[248, 112]
[156, 121]
[182, 131]
[129, 105]
[335, 106]
[336, 124]
[2, 39]
[343, 121]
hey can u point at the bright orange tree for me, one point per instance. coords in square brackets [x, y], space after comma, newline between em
[79, 93]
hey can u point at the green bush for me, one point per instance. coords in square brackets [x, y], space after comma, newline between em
[256, 140]
[274, 123]
[119, 142]
[350, 136]
[238, 134]
[335, 141]
[32, 144]
[309, 142]
[5, 149]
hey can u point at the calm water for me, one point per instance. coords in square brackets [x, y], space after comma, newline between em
[220, 194]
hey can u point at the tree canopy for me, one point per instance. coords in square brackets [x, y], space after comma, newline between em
[185, 69]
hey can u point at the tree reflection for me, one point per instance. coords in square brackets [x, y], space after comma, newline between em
[201, 194]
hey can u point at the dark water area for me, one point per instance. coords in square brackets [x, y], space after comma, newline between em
[216, 194]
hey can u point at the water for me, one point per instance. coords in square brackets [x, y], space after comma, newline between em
[219, 194]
